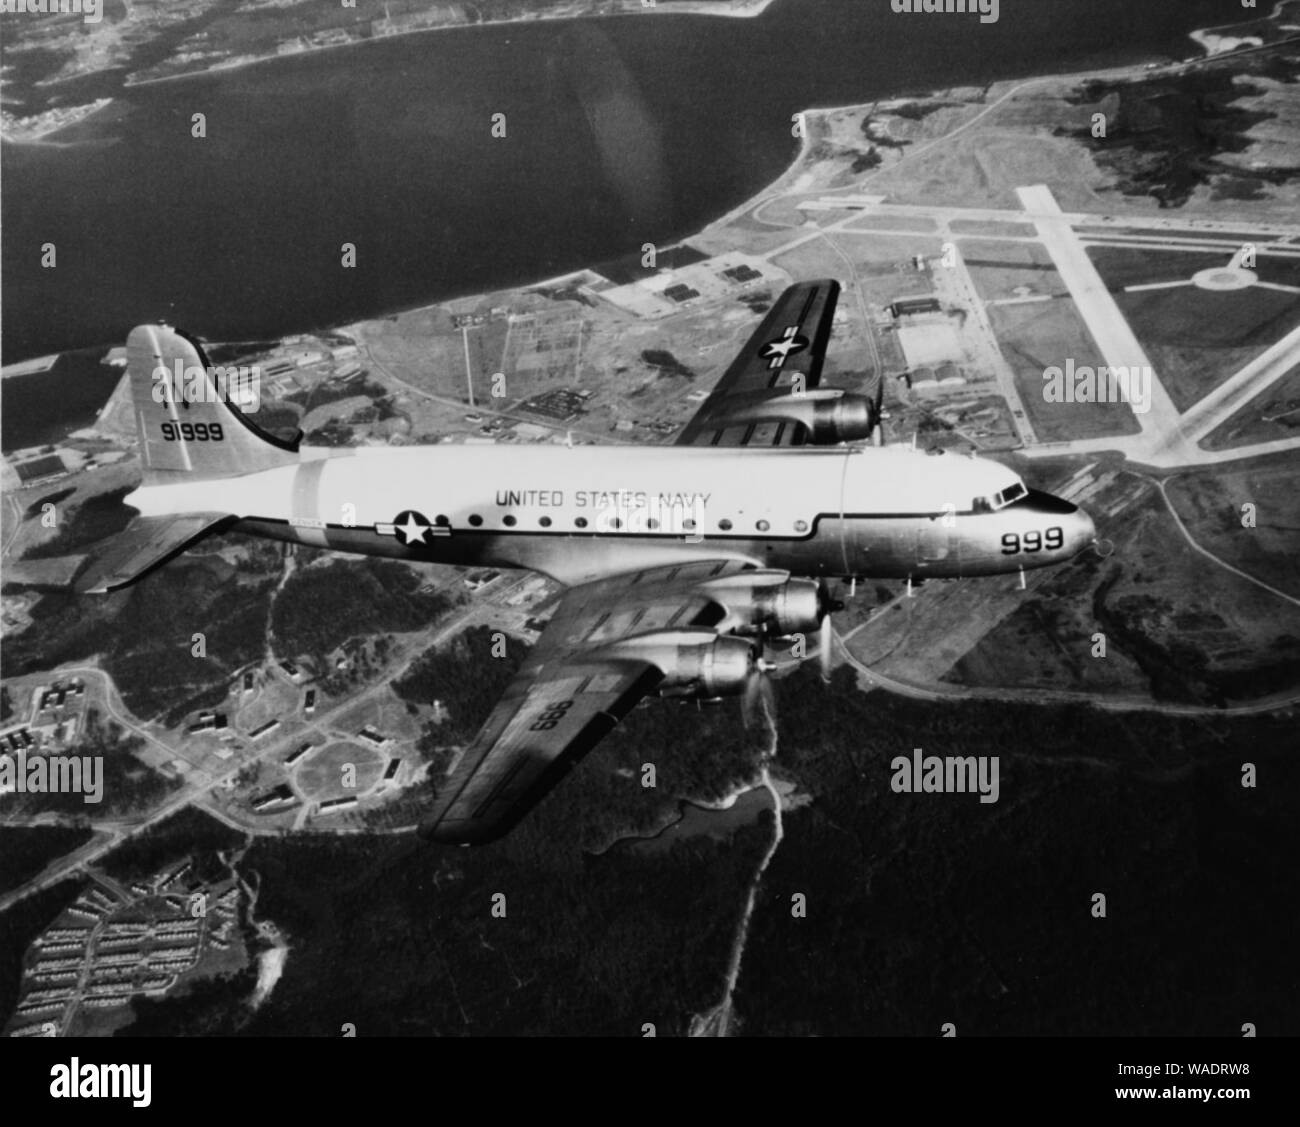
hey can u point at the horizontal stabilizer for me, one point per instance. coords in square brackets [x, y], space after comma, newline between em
[144, 544]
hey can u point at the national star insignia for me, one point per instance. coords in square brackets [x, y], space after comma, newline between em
[779, 350]
[409, 527]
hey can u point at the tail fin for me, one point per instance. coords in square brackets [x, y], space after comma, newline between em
[188, 428]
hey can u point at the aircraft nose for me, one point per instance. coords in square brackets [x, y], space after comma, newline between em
[1080, 531]
[1084, 532]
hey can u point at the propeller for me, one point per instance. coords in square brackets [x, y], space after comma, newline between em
[758, 699]
[877, 409]
[826, 639]
[826, 606]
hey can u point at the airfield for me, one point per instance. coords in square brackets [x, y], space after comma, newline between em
[983, 240]
[968, 278]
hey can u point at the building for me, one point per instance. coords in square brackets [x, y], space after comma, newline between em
[209, 722]
[914, 306]
[281, 796]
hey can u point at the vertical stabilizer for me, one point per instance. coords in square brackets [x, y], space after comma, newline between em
[188, 428]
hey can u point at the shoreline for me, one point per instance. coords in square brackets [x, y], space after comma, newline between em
[786, 181]
[701, 8]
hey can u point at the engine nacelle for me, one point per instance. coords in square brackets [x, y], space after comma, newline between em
[695, 663]
[827, 415]
[846, 418]
[771, 600]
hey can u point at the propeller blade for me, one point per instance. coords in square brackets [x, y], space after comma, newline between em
[827, 640]
[878, 408]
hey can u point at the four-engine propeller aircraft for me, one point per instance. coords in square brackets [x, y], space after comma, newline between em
[678, 560]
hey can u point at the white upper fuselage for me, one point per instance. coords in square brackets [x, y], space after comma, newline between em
[585, 512]
[521, 489]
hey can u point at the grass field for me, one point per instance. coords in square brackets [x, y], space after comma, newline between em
[1045, 334]
[320, 777]
[1210, 504]
[999, 269]
[1197, 338]
[1272, 415]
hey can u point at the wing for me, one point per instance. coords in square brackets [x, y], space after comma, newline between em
[580, 679]
[139, 548]
[791, 342]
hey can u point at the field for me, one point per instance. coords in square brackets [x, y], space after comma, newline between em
[1121, 267]
[1196, 338]
[321, 776]
[1200, 632]
[1045, 334]
[1001, 269]
[992, 228]
[892, 224]
[1210, 503]
[1273, 414]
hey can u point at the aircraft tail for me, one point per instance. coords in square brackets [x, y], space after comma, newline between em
[189, 431]
[188, 427]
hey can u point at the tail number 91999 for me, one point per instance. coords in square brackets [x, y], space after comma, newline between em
[192, 432]
[1013, 543]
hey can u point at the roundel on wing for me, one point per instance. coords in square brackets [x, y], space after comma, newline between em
[783, 347]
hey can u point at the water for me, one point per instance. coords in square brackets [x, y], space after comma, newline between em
[619, 132]
[42, 408]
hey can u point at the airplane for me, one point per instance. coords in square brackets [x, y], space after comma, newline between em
[679, 562]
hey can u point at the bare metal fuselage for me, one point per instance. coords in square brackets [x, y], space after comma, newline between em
[592, 511]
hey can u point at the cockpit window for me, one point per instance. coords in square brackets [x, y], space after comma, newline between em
[982, 505]
[1009, 494]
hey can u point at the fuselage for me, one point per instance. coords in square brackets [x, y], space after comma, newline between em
[578, 513]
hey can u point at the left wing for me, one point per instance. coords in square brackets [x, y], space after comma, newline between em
[609, 644]
[145, 543]
[785, 355]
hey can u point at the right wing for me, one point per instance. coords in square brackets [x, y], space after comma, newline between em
[790, 342]
[581, 678]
